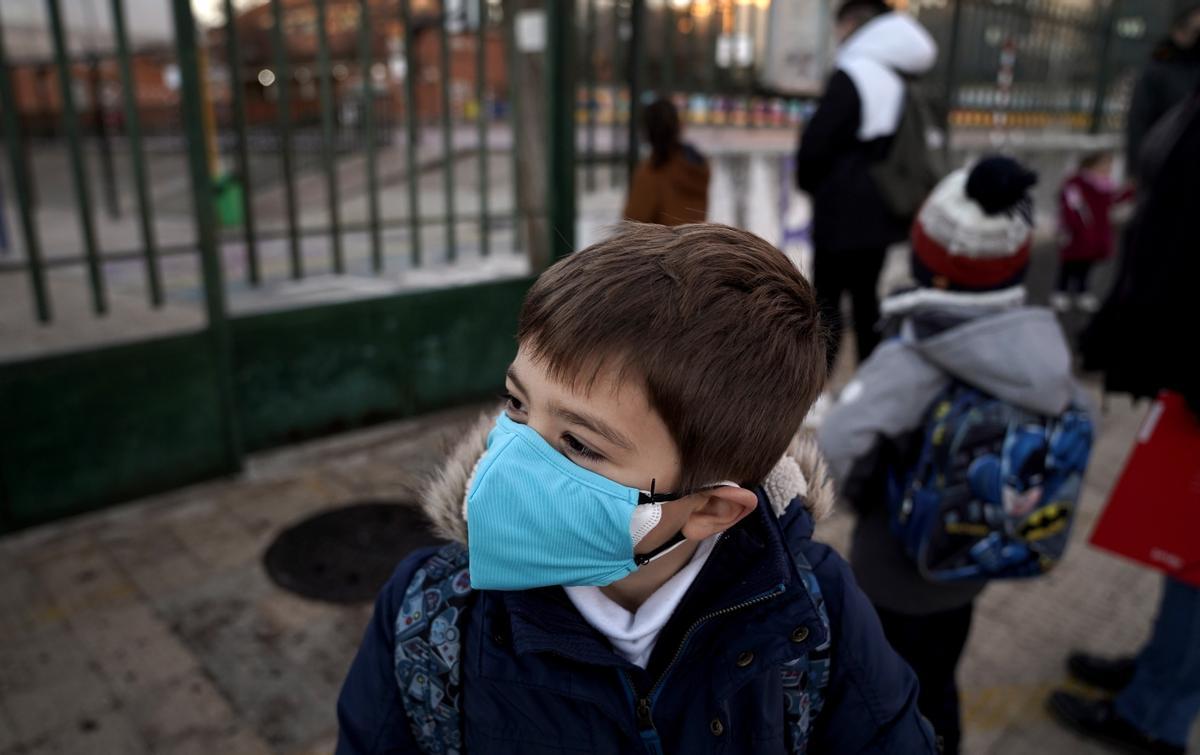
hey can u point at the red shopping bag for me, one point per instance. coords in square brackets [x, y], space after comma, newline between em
[1153, 514]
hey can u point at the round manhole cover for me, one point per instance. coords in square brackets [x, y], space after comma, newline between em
[346, 554]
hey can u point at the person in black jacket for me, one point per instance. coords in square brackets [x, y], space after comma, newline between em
[1144, 341]
[852, 129]
[1173, 72]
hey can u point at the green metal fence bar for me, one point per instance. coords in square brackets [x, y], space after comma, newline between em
[716, 21]
[667, 55]
[410, 116]
[589, 74]
[514, 81]
[1105, 72]
[108, 173]
[481, 100]
[328, 147]
[447, 136]
[15, 141]
[637, 59]
[133, 128]
[560, 107]
[234, 56]
[83, 196]
[692, 80]
[283, 80]
[751, 66]
[368, 95]
[615, 124]
[205, 214]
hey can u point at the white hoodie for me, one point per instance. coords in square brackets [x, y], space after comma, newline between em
[873, 57]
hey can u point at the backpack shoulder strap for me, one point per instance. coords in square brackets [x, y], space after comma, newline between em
[805, 679]
[429, 635]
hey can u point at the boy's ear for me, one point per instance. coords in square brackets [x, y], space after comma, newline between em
[722, 508]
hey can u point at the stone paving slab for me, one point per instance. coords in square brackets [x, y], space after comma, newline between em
[152, 627]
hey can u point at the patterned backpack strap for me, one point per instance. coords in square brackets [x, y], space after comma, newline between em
[428, 648]
[805, 679]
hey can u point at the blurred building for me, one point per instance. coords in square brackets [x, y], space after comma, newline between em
[387, 72]
[97, 88]
[88, 30]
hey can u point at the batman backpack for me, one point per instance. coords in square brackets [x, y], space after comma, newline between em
[993, 489]
[429, 649]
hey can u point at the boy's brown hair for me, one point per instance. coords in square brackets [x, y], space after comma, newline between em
[720, 327]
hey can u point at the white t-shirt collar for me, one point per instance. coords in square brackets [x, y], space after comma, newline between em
[633, 635]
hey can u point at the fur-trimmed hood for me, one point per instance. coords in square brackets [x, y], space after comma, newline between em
[800, 474]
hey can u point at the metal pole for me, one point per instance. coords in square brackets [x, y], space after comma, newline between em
[560, 97]
[752, 35]
[693, 41]
[948, 94]
[15, 141]
[108, 173]
[202, 200]
[513, 61]
[1105, 71]
[83, 196]
[329, 148]
[637, 58]
[368, 94]
[481, 99]
[716, 23]
[283, 76]
[410, 115]
[667, 54]
[589, 72]
[447, 137]
[234, 55]
[133, 127]
[615, 57]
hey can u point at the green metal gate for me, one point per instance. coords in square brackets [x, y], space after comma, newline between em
[90, 426]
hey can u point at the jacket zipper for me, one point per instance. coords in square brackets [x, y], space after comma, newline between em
[645, 703]
[696, 624]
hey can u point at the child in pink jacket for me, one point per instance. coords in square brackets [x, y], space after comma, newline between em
[1084, 205]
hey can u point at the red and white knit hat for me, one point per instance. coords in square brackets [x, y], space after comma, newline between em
[975, 231]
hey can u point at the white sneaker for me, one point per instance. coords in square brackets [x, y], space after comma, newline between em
[1088, 303]
[1060, 301]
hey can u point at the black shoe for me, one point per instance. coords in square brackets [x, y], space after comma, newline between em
[1112, 675]
[1098, 720]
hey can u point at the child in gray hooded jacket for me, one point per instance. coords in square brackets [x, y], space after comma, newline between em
[966, 321]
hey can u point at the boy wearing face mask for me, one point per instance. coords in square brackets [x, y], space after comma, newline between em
[631, 566]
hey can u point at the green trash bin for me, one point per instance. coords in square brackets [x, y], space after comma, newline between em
[227, 191]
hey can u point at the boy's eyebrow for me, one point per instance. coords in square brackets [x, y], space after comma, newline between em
[595, 426]
[590, 423]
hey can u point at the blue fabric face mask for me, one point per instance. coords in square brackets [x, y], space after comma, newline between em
[536, 519]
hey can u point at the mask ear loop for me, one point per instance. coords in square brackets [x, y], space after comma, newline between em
[677, 539]
[674, 542]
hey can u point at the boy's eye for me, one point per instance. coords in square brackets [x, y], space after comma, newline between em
[512, 403]
[578, 449]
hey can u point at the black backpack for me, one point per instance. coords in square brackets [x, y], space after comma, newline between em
[909, 171]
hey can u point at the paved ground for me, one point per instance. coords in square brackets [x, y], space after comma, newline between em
[153, 628]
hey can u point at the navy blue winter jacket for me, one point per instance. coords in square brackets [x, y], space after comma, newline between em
[537, 678]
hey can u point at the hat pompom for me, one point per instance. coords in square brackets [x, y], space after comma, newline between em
[1000, 184]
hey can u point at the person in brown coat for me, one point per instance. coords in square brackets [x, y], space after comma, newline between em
[671, 186]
